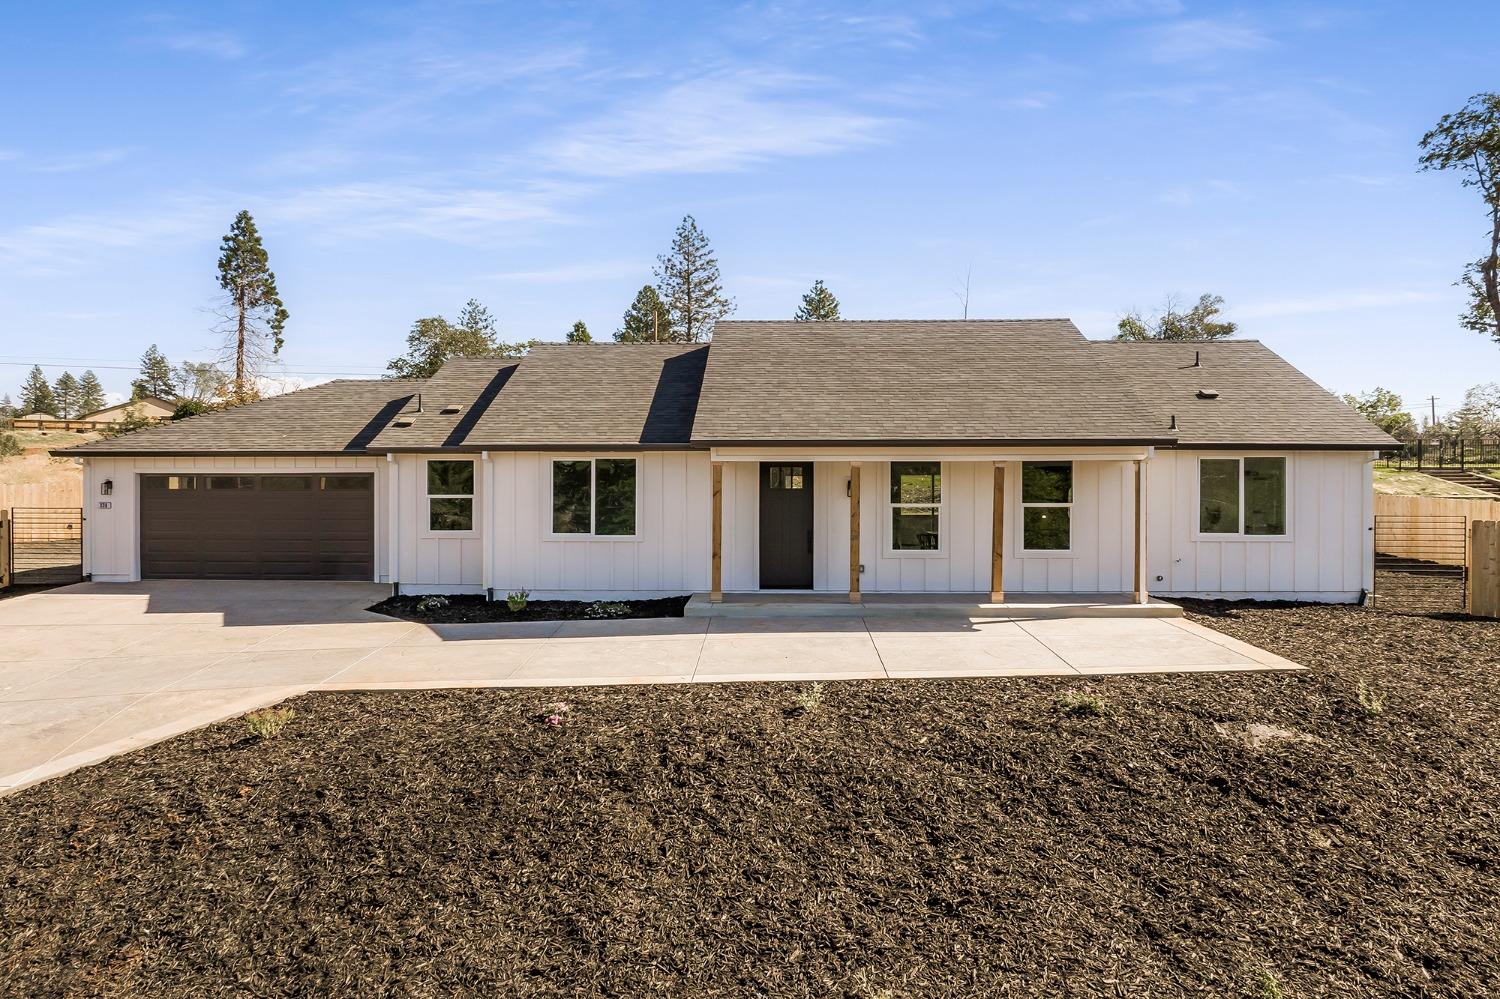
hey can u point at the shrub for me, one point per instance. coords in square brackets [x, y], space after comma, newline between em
[809, 698]
[268, 722]
[10, 445]
[516, 600]
[429, 604]
[190, 407]
[1371, 702]
[604, 609]
[553, 715]
[1082, 704]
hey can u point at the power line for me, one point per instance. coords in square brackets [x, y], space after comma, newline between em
[134, 367]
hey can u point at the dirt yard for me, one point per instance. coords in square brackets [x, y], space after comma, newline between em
[35, 479]
[1328, 833]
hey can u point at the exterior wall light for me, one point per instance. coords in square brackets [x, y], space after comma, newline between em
[107, 487]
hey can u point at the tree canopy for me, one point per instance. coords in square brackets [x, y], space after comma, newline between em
[434, 340]
[90, 393]
[36, 394]
[818, 305]
[1201, 322]
[155, 378]
[687, 279]
[202, 382]
[65, 392]
[646, 319]
[1479, 416]
[580, 333]
[1386, 410]
[1468, 140]
[253, 316]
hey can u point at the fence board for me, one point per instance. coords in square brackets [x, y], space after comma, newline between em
[1407, 524]
[1484, 569]
[4, 549]
[57, 493]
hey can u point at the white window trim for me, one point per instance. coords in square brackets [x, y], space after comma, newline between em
[592, 459]
[1240, 535]
[888, 528]
[427, 530]
[1021, 550]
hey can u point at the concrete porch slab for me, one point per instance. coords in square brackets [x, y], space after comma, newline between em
[1022, 606]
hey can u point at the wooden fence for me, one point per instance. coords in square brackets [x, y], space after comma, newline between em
[67, 492]
[1416, 526]
[4, 549]
[1484, 568]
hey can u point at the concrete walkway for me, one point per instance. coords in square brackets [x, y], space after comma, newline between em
[92, 670]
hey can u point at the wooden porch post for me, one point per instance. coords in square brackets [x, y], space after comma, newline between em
[716, 581]
[997, 539]
[1140, 533]
[854, 595]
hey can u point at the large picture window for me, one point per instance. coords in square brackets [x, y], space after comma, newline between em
[1242, 496]
[594, 497]
[916, 506]
[1047, 506]
[450, 495]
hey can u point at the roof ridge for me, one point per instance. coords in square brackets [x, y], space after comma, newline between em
[1028, 319]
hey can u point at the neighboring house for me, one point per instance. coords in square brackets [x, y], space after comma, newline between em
[149, 407]
[940, 457]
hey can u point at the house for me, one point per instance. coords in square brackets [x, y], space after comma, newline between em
[852, 457]
[148, 407]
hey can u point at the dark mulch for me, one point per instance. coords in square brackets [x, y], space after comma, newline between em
[902, 838]
[473, 609]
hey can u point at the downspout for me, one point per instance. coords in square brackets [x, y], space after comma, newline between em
[486, 518]
[393, 487]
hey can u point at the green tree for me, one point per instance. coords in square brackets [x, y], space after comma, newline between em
[1468, 140]
[646, 320]
[65, 392]
[90, 394]
[1385, 409]
[1479, 416]
[156, 377]
[7, 408]
[1201, 322]
[253, 313]
[580, 333]
[202, 382]
[818, 305]
[687, 279]
[36, 394]
[433, 340]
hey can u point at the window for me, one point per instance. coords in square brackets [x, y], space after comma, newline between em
[916, 505]
[1242, 496]
[786, 477]
[169, 481]
[229, 481]
[338, 483]
[286, 483]
[1047, 506]
[594, 497]
[450, 495]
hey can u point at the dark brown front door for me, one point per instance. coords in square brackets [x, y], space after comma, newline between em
[786, 526]
[295, 526]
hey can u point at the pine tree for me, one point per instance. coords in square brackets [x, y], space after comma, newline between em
[818, 305]
[580, 333]
[36, 394]
[646, 320]
[687, 279]
[65, 392]
[254, 316]
[433, 340]
[7, 408]
[90, 394]
[156, 377]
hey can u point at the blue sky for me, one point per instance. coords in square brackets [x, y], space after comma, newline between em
[1077, 158]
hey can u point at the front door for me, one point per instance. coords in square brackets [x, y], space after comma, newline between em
[786, 526]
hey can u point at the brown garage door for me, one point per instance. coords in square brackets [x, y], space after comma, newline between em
[257, 526]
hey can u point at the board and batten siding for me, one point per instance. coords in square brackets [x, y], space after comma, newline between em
[669, 555]
[112, 537]
[1326, 555]
[437, 561]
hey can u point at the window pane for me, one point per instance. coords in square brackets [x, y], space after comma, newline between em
[914, 528]
[1219, 496]
[338, 482]
[916, 482]
[1047, 528]
[1046, 482]
[230, 482]
[450, 478]
[615, 480]
[570, 497]
[285, 483]
[169, 481]
[451, 514]
[1265, 496]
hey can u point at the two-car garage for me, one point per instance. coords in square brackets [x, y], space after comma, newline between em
[257, 526]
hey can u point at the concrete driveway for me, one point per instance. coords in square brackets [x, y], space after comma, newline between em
[92, 670]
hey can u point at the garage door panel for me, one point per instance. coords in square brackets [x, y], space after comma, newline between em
[257, 526]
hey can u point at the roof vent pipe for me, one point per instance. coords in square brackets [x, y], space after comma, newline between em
[1197, 358]
[419, 402]
[1174, 422]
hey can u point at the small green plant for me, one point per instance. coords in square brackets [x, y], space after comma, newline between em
[267, 723]
[1270, 987]
[1082, 704]
[10, 445]
[606, 609]
[429, 604]
[1371, 702]
[516, 600]
[553, 715]
[808, 699]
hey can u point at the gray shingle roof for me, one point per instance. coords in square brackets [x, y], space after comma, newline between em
[596, 395]
[1262, 400]
[332, 418]
[466, 384]
[978, 381]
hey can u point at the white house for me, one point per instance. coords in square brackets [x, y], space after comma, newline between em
[989, 457]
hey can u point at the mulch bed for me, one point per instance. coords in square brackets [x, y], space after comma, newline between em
[900, 838]
[474, 609]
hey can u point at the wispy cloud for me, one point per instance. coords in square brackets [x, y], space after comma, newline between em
[68, 241]
[80, 161]
[1198, 39]
[1039, 101]
[1088, 11]
[1187, 195]
[437, 209]
[1337, 301]
[598, 270]
[712, 124]
[217, 44]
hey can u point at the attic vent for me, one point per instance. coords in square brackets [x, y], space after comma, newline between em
[1208, 394]
[404, 421]
[450, 410]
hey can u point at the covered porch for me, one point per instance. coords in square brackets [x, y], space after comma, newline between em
[802, 526]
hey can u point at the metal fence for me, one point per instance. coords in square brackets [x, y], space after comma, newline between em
[1445, 452]
[1421, 562]
[46, 545]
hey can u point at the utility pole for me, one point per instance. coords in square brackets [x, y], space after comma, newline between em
[1433, 400]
